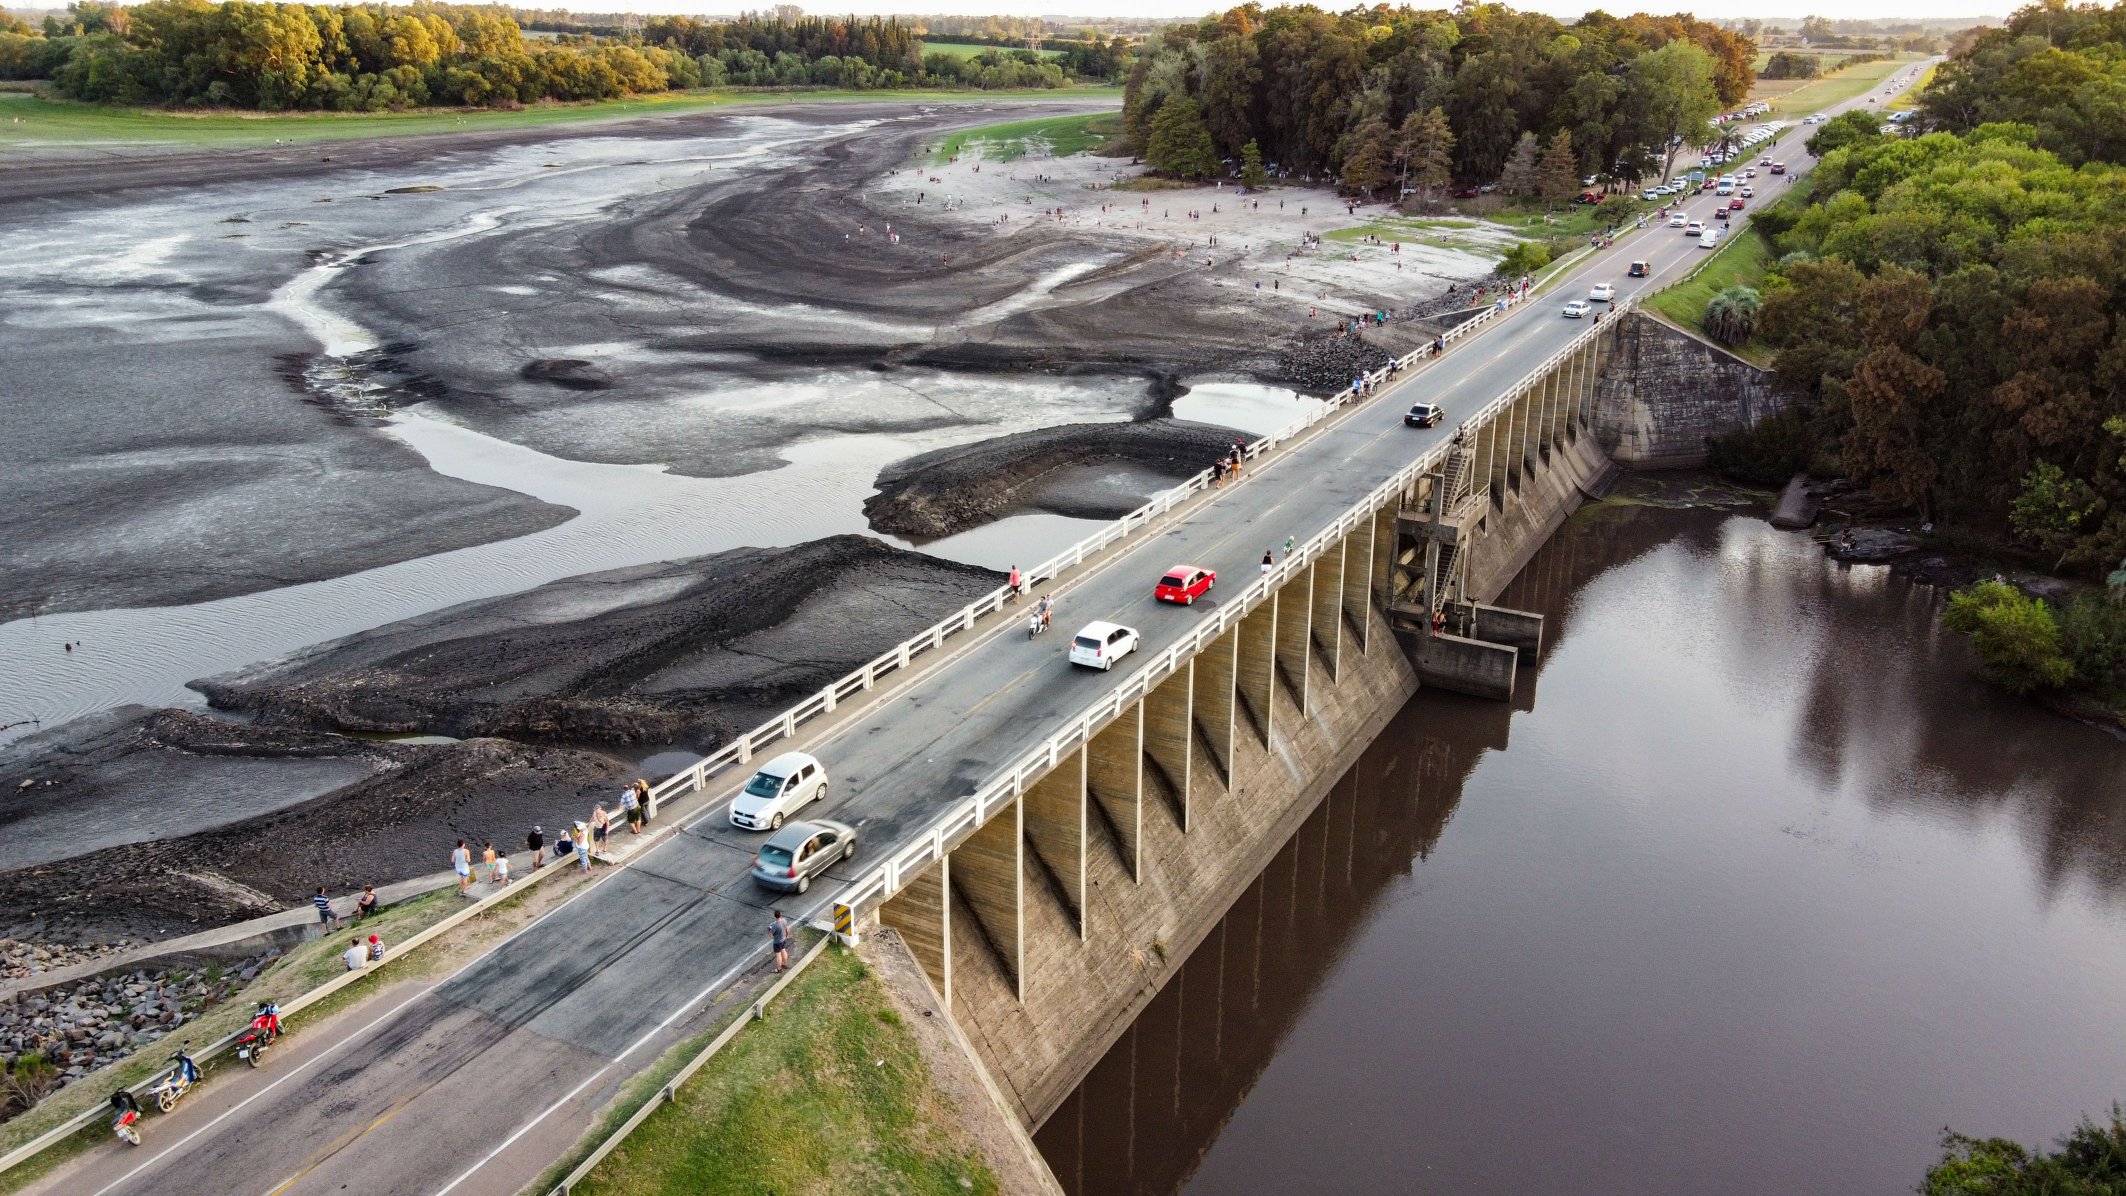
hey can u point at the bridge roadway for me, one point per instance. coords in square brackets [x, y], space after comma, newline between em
[476, 1084]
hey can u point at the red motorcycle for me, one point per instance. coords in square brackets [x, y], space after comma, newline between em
[264, 1031]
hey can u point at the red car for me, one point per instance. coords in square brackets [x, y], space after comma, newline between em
[1734, 205]
[1184, 584]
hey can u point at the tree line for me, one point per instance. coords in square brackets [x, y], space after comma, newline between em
[367, 57]
[1316, 91]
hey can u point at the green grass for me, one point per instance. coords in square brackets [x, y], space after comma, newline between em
[1741, 262]
[1057, 136]
[970, 49]
[1910, 99]
[41, 121]
[828, 1094]
[1839, 86]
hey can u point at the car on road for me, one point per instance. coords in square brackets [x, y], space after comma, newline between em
[782, 787]
[795, 855]
[1100, 645]
[1424, 415]
[1638, 270]
[1735, 205]
[1676, 221]
[1764, 161]
[1185, 583]
[1602, 292]
[1778, 168]
[1577, 309]
[1694, 228]
[1747, 193]
[1709, 238]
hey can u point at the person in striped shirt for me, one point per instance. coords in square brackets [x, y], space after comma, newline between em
[325, 916]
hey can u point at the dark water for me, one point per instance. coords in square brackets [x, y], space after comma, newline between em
[1756, 892]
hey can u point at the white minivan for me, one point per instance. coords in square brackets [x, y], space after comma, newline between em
[782, 787]
[1709, 238]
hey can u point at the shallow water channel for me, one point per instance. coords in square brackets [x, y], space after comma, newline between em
[1755, 891]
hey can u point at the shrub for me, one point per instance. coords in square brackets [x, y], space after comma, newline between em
[1731, 317]
[1525, 258]
[2093, 635]
[2017, 637]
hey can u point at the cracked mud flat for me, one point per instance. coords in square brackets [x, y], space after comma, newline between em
[394, 825]
[684, 654]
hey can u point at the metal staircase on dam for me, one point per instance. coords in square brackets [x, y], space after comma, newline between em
[1454, 641]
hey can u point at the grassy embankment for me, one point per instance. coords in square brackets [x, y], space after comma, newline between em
[1910, 99]
[36, 120]
[828, 1094]
[1814, 95]
[970, 49]
[1055, 137]
[1439, 233]
[1741, 262]
[303, 968]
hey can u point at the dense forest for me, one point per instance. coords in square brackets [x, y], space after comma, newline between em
[369, 57]
[1954, 306]
[1315, 90]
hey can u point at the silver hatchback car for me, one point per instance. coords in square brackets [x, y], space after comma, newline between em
[800, 851]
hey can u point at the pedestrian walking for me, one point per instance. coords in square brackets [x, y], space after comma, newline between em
[325, 916]
[536, 844]
[1016, 584]
[583, 847]
[500, 874]
[1266, 562]
[461, 863]
[365, 906]
[487, 860]
[1288, 548]
[632, 807]
[601, 825]
[779, 938]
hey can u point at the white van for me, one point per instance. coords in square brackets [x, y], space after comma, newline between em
[1709, 238]
[1725, 188]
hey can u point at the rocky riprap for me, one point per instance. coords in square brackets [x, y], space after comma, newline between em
[21, 960]
[1329, 363]
[82, 1026]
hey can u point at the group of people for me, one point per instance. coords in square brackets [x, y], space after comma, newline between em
[1228, 465]
[578, 841]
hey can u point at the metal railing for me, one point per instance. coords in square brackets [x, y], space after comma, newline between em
[966, 815]
[784, 726]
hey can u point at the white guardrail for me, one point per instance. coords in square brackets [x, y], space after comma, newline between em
[955, 824]
[784, 726]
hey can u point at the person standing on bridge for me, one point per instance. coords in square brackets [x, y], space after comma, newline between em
[461, 863]
[631, 805]
[583, 847]
[1266, 562]
[642, 800]
[601, 825]
[487, 861]
[779, 938]
[1016, 583]
[536, 844]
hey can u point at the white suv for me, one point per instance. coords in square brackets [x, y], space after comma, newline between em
[1100, 645]
[782, 787]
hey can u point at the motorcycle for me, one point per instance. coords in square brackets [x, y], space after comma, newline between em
[124, 1112]
[179, 1080]
[265, 1030]
[1035, 625]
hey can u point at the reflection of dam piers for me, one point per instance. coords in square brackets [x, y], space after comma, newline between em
[1054, 919]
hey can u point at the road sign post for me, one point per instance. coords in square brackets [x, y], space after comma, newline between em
[845, 924]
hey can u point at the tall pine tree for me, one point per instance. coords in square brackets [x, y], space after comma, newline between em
[1520, 177]
[1180, 143]
[1558, 178]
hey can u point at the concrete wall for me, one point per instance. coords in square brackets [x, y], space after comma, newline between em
[1666, 390]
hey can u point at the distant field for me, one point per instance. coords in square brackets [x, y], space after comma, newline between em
[32, 121]
[970, 49]
[1789, 100]
[1055, 136]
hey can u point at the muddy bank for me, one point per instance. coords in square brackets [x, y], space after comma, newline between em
[1055, 469]
[686, 653]
[393, 826]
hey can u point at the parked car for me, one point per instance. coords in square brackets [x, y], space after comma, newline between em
[1577, 309]
[1184, 584]
[797, 853]
[1100, 645]
[1638, 270]
[1424, 415]
[1650, 194]
[1466, 193]
[782, 787]
[1602, 292]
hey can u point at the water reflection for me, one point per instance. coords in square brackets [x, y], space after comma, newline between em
[1769, 888]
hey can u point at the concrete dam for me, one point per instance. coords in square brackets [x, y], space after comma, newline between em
[1066, 894]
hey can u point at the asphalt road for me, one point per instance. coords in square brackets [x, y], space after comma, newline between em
[475, 1085]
